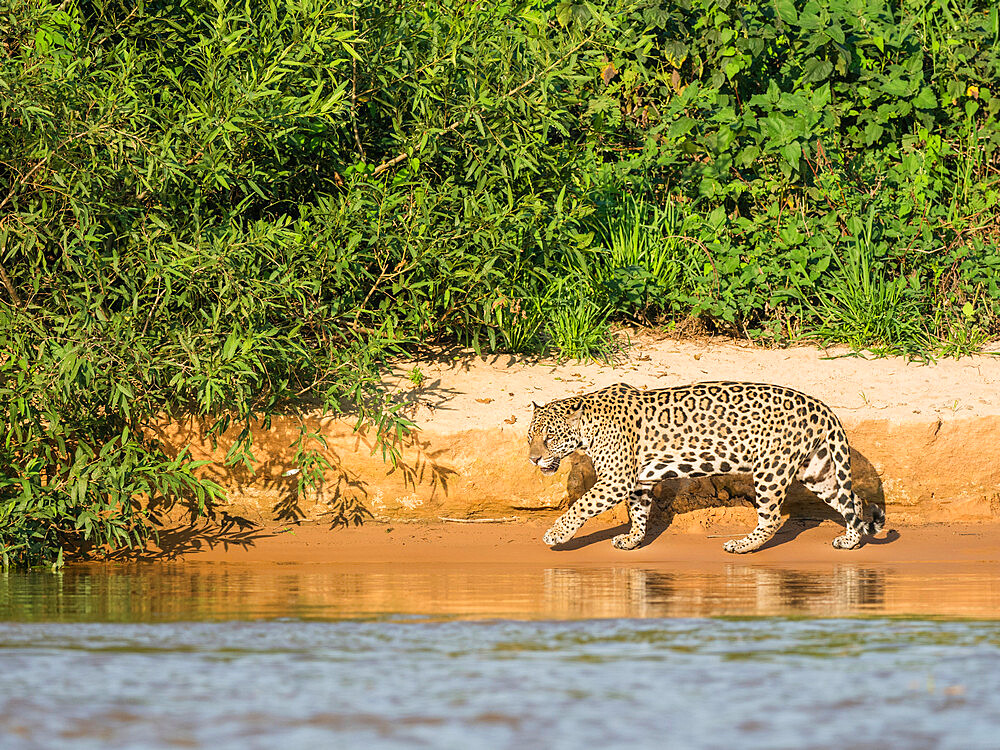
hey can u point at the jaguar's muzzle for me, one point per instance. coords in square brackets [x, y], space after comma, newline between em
[548, 465]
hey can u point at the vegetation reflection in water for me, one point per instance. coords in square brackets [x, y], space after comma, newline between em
[165, 592]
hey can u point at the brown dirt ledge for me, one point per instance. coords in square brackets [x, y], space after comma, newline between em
[926, 440]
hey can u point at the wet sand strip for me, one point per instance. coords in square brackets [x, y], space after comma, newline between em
[484, 571]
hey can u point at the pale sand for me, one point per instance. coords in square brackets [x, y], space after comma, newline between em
[464, 392]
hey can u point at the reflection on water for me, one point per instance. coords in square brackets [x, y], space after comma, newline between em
[171, 592]
[736, 590]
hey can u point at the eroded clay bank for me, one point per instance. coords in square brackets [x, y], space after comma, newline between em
[925, 439]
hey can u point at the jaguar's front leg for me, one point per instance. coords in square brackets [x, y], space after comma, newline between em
[603, 495]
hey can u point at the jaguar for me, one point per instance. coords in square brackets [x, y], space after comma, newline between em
[637, 438]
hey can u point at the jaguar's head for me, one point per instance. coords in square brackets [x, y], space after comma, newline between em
[554, 433]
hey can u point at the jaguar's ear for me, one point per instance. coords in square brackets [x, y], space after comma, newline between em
[537, 406]
[574, 415]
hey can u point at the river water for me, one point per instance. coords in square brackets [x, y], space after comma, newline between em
[315, 656]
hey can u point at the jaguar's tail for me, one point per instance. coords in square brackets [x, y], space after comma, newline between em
[877, 522]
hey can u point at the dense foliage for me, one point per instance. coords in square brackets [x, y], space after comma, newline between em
[231, 209]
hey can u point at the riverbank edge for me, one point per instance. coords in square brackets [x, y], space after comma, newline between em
[926, 549]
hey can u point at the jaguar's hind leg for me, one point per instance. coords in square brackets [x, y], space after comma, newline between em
[770, 482]
[828, 475]
[639, 503]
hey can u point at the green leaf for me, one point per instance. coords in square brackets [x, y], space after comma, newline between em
[792, 153]
[835, 32]
[925, 99]
[786, 10]
[816, 70]
[898, 87]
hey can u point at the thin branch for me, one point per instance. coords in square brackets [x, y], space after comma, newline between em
[504, 519]
[354, 93]
[23, 180]
[10, 286]
[3, 271]
[390, 164]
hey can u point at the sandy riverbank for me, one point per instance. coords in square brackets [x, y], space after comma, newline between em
[520, 543]
[926, 439]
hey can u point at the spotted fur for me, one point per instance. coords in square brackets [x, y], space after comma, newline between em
[637, 438]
